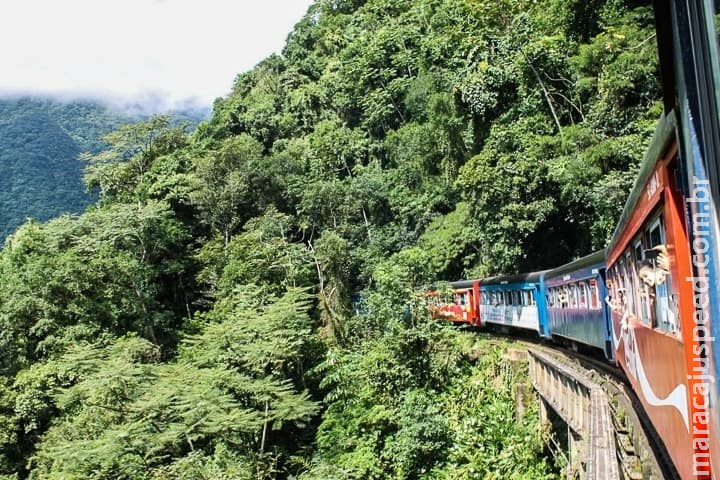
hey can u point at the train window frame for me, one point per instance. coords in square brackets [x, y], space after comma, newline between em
[655, 224]
[639, 256]
[528, 299]
[665, 315]
[582, 295]
[631, 291]
[644, 312]
[572, 295]
[594, 293]
[624, 285]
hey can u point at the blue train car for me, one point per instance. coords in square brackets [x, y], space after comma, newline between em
[576, 311]
[514, 301]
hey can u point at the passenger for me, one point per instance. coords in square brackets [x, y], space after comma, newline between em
[655, 267]
[662, 259]
[563, 299]
[616, 304]
[650, 274]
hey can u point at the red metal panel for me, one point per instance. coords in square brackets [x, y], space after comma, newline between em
[657, 362]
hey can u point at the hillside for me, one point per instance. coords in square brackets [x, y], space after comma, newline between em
[40, 140]
[197, 323]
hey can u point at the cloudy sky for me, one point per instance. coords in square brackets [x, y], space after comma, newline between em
[125, 49]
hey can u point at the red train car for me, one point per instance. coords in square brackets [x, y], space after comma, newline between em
[464, 305]
[688, 47]
[651, 302]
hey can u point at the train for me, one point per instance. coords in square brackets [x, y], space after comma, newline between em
[649, 301]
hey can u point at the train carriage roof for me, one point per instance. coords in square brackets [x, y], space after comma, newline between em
[664, 133]
[532, 277]
[463, 283]
[592, 260]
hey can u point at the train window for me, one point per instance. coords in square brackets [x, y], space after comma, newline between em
[594, 295]
[499, 298]
[459, 299]
[516, 298]
[529, 300]
[631, 285]
[508, 298]
[656, 276]
[637, 247]
[623, 286]
[563, 297]
[613, 300]
[572, 296]
[655, 234]
[582, 291]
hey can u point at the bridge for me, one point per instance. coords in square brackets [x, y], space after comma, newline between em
[593, 425]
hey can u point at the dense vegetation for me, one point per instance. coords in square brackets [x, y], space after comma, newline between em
[196, 322]
[40, 142]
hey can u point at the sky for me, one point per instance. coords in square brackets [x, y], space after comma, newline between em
[162, 51]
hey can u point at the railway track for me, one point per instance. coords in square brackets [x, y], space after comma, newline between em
[641, 453]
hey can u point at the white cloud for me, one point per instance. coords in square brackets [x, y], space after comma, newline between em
[131, 48]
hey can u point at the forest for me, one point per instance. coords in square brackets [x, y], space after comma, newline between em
[201, 319]
[41, 139]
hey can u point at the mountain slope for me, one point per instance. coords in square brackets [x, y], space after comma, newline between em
[40, 140]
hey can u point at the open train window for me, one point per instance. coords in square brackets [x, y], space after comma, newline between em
[637, 248]
[529, 299]
[646, 313]
[583, 294]
[594, 294]
[657, 278]
[631, 291]
[572, 294]
[623, 286]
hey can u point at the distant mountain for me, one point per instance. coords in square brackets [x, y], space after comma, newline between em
[40, 140]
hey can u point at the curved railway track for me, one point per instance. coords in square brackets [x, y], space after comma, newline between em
[641, 452]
